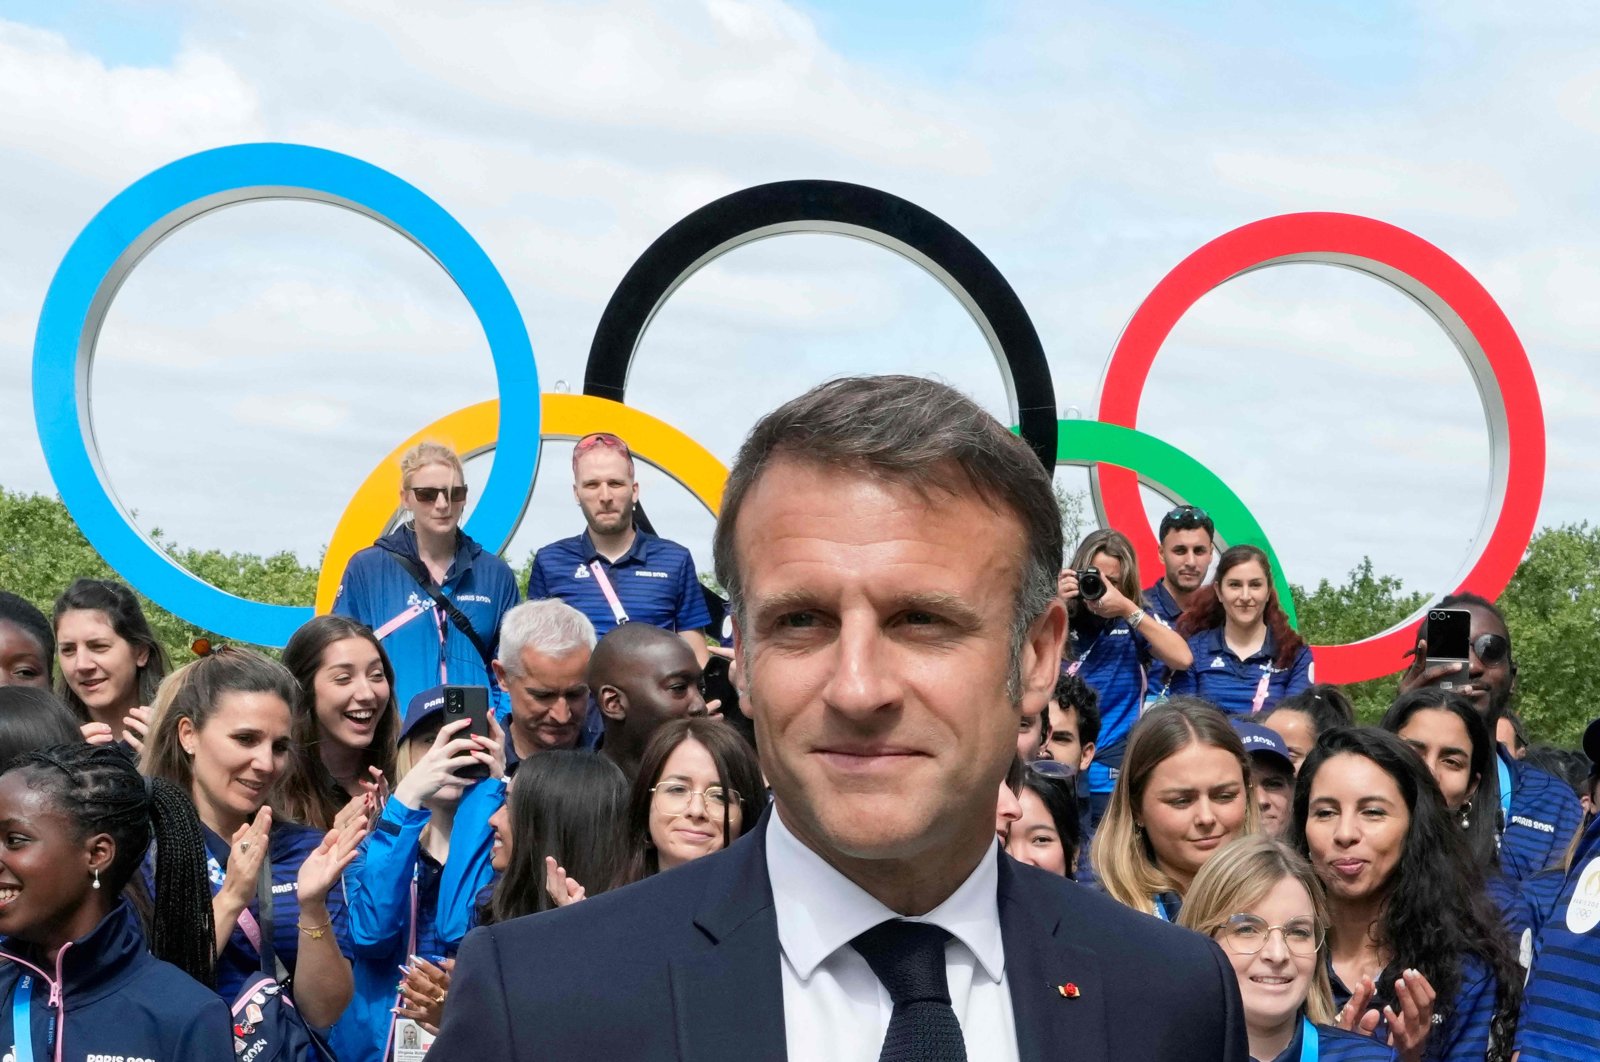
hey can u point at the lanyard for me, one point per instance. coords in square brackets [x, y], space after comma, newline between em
[618, 613]
[1505, 787]
[1309, 1048]
[21, 1020]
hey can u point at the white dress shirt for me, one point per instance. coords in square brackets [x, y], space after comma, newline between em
[834, 1007]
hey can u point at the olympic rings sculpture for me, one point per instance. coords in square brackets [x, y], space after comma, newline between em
[1120, 456]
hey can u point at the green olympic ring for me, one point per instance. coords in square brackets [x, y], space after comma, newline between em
[1175, 474]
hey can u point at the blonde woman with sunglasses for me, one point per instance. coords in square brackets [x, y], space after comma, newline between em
[432, 595]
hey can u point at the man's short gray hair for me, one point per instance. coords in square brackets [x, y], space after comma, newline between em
[913, 431]
[548, 626]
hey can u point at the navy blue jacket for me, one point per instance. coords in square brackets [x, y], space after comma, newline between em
[116, 1000]
[376, 590]
[287, 846]
[1545, 815]
[1463, 1034]
[1334, 1045]
[686, 965]
[1561, 1010]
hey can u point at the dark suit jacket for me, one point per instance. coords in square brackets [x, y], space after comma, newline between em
[686, 967]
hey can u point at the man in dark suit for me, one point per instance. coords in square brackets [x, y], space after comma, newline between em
[890, 552]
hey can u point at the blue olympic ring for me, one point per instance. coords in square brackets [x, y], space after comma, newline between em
[148, 211]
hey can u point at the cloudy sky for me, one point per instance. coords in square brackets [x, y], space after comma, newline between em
[259, 362]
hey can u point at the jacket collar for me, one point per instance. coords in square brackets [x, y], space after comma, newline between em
[1058, 988]
[728, 996]
[403, 540]
[1216, 644]
[95, 964]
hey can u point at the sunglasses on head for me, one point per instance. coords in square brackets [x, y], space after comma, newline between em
[1186, 512]
[429, 495]
[599, 438]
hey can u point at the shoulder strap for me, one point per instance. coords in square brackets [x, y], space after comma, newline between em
[271, 965]
[449, 607]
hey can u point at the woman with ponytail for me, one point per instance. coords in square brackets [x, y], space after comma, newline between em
[84, 980]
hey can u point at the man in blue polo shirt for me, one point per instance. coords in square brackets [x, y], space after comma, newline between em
[613, 572]
[1539, 813]
[1187, 538]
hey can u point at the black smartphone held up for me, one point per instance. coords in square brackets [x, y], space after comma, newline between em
[469, 702]
[1450, 642]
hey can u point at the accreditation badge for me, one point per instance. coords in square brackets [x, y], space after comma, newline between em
[1583, 911]
[411, 1041]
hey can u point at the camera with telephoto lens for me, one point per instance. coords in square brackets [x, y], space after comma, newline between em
[1091, 584]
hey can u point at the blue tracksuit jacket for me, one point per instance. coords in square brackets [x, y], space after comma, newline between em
[107, 997]
[425, 648]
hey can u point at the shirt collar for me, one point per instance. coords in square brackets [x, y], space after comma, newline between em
[819, 910]
[636, 552]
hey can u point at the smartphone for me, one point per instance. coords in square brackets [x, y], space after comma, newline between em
[469, 702]
[1450, 642]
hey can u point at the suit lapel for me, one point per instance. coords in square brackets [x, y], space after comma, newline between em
[1040, 962]
[727, 997]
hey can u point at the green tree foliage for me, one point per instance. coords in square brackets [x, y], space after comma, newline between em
[1553, 609]
[42, 551]
[1364, 604]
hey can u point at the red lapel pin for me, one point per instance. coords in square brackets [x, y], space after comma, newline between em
[1068, 991]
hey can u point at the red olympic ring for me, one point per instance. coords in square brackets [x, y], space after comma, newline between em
[1450, 294]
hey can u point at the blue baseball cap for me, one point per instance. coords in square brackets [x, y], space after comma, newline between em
[1262, 741]
[423, 706]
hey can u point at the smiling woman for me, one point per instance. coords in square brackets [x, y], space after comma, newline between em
[1412, 930]
[345, 719]
[224, 739]
[111, 663]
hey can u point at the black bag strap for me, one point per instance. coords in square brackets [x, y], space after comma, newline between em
[271, 965]
[457, 617]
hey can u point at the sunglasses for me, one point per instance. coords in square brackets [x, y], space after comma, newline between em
[1491, 648]
[1053, 769]
[599, 438]
[1186, 512]
[429, 495]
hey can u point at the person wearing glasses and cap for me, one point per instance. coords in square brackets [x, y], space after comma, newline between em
[1538, 813]
[432, 595]
[613, 571]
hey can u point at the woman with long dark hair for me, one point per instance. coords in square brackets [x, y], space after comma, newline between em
[345, 719]
[698, 788]
[224, 740]
[1454, 743]
[1411, 930]
[83, 973]
[1045, 833]
[110, 660]
[1184, 792]
[1246, 656]
[1111, 644]
[559, 836]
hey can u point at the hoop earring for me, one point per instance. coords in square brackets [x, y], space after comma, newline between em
[96, 883]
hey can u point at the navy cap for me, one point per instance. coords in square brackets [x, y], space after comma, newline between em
[1262, 741]
[1591, 742]
[423, 706]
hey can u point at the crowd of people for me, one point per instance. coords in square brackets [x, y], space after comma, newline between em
[245, 854]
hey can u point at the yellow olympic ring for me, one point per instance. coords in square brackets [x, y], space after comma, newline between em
[471, 431]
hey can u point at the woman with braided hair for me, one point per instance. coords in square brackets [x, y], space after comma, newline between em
[83, 979]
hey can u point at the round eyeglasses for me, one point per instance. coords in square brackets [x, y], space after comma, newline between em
[1246, 934]
[674, 798]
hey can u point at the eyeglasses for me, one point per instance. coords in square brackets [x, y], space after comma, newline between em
[1186, 512]
[1246, 934]
[429, 495]
[674, 798]
[1053, 769]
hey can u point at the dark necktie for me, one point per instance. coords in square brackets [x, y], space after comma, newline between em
[908, 958]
